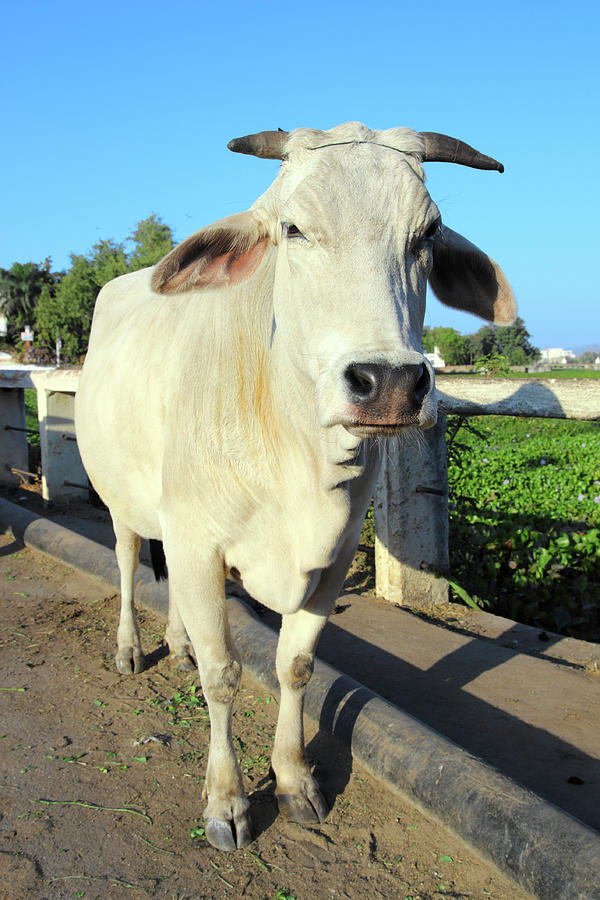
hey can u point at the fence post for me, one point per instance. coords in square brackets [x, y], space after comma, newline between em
[411, 520]
[13, 444]
[63, 475]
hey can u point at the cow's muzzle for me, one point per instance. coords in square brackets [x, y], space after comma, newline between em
[385, 399]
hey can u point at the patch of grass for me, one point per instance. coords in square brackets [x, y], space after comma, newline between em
[186, 706]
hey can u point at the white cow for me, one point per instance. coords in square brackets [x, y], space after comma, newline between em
[234, 397]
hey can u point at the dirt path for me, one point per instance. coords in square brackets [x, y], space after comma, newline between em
[101, 776]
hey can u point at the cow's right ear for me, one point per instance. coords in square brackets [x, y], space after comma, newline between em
[224, 253]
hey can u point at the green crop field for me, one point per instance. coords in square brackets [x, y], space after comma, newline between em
[525, 520]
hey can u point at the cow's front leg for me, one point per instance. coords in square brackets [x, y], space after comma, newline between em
[225, 817]
[297, 792]
[199, 589]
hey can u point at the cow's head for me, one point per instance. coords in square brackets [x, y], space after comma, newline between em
[351, 237]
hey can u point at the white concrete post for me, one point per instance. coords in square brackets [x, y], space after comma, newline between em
[13, 444]
[63, 475]
[411, 521]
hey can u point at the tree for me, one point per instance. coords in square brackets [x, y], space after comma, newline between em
[68, 313]
[20, 289]
[108, 261]
[453, 347]
[513, 342]
[482, 343]
[152, 239]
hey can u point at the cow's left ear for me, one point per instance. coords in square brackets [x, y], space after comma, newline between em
[466, 278]
[224, 253]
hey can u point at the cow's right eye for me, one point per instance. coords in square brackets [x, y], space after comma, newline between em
[292, 231]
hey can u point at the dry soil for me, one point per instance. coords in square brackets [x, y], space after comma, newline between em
[101, 776]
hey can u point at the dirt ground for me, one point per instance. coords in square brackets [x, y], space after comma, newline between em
[101, 776]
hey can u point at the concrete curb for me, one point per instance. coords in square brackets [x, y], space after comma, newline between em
[549, 853]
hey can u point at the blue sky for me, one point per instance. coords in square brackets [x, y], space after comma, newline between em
[115, 110]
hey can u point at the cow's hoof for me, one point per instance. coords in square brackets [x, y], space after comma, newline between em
[304, 810]
[184, 662]
[130, 661]
[226, 835]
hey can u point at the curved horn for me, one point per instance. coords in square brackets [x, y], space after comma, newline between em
[266, 144]
[441, 148]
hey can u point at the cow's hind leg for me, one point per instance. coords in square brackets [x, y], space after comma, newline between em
[176, 636]
[129, 657]
[180, 646]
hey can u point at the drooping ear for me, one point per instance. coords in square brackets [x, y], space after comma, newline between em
[224, 253]
[464, 277]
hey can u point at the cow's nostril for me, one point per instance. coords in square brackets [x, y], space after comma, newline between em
[423, 384]
[362, 380]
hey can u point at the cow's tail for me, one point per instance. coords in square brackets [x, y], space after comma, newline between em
[158, 560]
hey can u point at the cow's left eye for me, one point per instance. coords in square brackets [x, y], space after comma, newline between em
[425, 240]
[429, 236]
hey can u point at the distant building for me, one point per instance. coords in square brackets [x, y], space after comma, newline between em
[3, 325]
[557, 355]
[435, 358]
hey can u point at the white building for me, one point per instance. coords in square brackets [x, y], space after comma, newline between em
[557, 355]
[435, 358]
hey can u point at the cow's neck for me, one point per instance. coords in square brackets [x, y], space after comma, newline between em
[270, 406]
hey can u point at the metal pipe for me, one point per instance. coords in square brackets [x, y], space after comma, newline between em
[26, 430]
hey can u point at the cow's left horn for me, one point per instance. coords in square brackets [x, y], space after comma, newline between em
[266, 144]
[442, 148]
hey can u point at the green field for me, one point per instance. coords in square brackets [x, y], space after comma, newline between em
[558, 373]
[525, 520]
[554, 373]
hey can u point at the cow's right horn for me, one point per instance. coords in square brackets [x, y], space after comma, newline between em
[266, 144]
